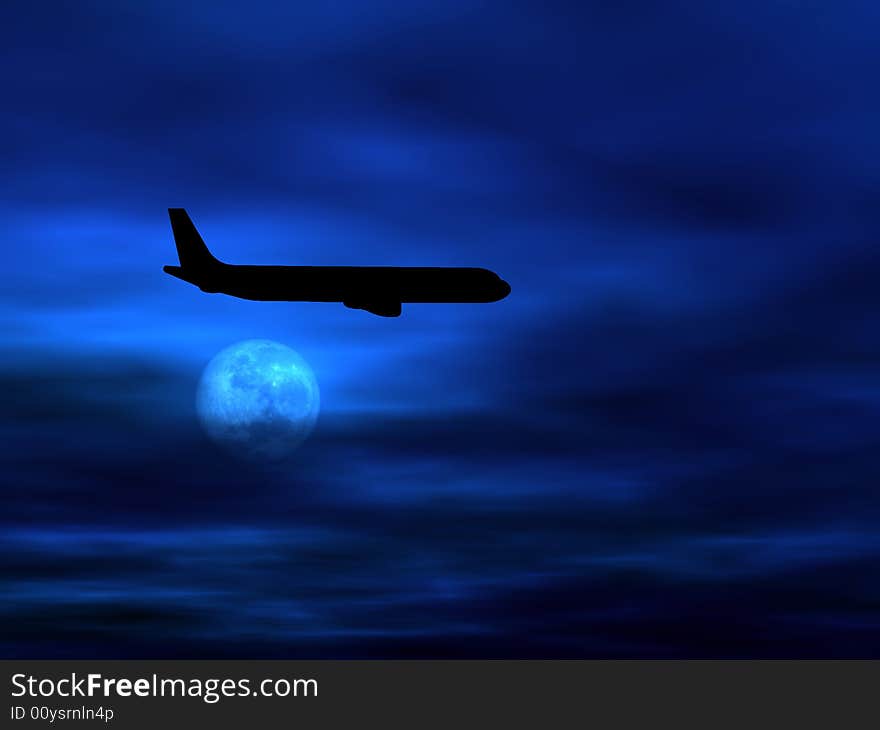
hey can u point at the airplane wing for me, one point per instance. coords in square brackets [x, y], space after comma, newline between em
[386, 308]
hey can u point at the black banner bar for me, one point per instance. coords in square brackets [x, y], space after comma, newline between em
[411, 694]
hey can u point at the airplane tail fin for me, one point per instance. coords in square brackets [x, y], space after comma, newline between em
[191, 249]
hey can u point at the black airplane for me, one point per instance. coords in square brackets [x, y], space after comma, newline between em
[377, 289]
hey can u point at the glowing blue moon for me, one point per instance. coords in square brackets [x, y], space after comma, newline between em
[259, 398]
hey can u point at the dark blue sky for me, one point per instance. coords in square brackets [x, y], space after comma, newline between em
[663, 443]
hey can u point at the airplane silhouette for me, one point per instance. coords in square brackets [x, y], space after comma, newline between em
[377, 289]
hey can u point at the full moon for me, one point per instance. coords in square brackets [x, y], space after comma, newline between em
[259, 398]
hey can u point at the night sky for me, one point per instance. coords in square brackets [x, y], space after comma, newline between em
[663, 443]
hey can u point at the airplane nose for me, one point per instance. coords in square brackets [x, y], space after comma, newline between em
[503, 288]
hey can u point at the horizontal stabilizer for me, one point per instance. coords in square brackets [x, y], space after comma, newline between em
[179, 272]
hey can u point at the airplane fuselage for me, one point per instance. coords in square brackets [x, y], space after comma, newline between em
[342, 283]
